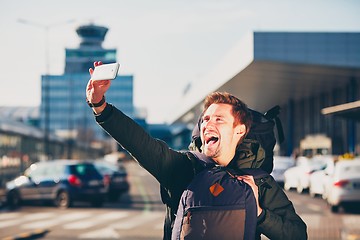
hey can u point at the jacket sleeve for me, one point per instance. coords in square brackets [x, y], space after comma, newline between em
[281, 220]
[168, 166]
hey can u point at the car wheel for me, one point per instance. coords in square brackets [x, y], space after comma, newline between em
[311, 193]
[334, 208]
[63, 200]
[13, 199]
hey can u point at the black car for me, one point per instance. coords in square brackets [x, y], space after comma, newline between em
[115, 178]
[61, 181]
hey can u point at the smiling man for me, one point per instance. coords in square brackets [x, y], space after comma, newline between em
[225, 122]
[220, 131]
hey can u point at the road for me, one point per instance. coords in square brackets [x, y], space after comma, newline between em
[139, 215]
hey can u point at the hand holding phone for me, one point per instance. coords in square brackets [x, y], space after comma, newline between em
[105, 71]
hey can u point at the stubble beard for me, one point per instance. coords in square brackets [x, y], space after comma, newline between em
[212, 153]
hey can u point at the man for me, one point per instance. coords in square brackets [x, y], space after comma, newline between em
[225, 123]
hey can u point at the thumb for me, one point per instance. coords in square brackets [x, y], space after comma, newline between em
[89, 85]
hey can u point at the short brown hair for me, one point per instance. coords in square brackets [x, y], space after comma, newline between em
[240, 110]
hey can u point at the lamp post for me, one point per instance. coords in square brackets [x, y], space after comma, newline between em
[46, 28]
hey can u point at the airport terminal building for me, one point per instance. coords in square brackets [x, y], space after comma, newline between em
[313, 76]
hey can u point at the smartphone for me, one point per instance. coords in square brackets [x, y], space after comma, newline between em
[105, 71]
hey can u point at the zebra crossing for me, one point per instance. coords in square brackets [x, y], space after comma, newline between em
[127, 223]
[100, 224]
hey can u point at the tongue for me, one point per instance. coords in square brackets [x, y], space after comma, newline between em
[212, 141]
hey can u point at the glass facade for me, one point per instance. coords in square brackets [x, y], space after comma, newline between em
[67, 110]
[336, 49]
[303, 117]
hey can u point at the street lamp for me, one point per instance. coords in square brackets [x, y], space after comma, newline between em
[46, 28]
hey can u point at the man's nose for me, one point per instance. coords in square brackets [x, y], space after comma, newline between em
[209, 123]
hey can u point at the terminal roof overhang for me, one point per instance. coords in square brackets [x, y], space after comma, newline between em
[264, 84]
[253, 73]
[347, 110]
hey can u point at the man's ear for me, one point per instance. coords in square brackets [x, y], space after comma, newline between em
[240, 129]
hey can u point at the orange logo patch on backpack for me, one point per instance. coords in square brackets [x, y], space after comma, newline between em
[216, 189]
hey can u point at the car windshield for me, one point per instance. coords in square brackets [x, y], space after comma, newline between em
[106, 168]
[318, 164]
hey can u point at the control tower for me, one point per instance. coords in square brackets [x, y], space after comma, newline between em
[79, 60]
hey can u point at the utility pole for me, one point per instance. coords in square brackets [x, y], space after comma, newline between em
[46, 82]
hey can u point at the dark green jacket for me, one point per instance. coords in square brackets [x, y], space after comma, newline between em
[174, 172]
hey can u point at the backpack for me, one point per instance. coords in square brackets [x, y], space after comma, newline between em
[262, 130]
[216, 205]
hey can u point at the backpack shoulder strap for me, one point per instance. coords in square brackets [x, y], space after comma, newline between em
[273, 114]
[257, 173]
[199, 161]
[260, 176]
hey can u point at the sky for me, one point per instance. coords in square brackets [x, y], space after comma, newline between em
[164, 44]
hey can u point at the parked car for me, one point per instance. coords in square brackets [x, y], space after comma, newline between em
[343, 184]
[281, 164]
[298, 177]
[115, 178]
[318, 180]
[61, 181]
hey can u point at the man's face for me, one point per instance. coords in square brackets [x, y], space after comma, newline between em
[218, 134]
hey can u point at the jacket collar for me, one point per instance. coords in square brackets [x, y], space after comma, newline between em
[249, 154]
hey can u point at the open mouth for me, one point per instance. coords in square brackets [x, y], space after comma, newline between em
[211, 140]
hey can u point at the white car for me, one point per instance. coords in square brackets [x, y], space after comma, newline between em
[343, 185]
[298, 177]
[281, 164]
[318, 180]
